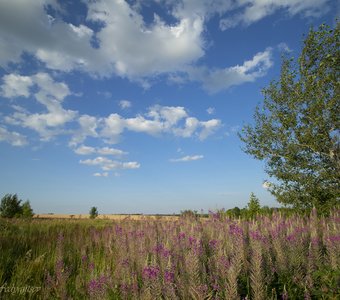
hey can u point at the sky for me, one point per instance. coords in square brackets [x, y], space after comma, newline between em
[135, 106]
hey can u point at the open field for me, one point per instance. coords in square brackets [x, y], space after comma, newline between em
[117, 217]
[273, 257]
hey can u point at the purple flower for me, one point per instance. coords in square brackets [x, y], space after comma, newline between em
[213, 244]
[97, 286]
[125, 262]
[169, 276]
[235, 230]
[225, 262]
[291, 237]
[181, 236]
[192, 240]
[91, 266]
[119, 230]
[334, 238]
[257, 236]
[150, 273]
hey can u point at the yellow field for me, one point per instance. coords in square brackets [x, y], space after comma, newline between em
[105, 217]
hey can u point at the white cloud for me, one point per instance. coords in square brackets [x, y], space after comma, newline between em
[190, 126]
[219, 79]
[110, 151]
[12, 137]
[84, 150]
[209, 127]
[87, 128]
[134, 49]
[283, 47]
[187, 158]
[104, 174]
[251, 11]
[113, 127]
[159, 120]
[156, 121]
[49, 93]
[107, 164]
[87, 150]
[124, 104]
[15, 86]
[106, 94]
[127, 45]
[211, 110]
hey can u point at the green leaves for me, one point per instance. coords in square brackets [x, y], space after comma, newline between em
[297, 129]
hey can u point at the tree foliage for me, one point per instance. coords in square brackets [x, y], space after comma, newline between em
[253, 206]
[297, 129]
[10, 206]
[27, 211]
[93, 212]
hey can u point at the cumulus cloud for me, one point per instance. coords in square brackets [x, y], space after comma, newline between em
[187, 158]
[159, 120]
[136, 49]
[107, 164]
[103, 174]
[47, 92]
[124, 104]
[211, 110]
[12, 137]
[15, 86]
[251, 11]
[216, 80]
[129, 47]
[87, 150]
[125, 44]
[87, 128]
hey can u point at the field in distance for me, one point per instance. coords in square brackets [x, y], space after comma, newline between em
[106, 216]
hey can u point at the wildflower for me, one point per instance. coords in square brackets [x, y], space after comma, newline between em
[150, 272]
[181, 236]
[97, 286]
[169, 276]
[125, 262]
[192, 240]
[235, 230]
[213, 244]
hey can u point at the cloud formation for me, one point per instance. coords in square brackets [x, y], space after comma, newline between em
[113, 38]
[251, 11]
[87, 150]
[47, 92]
[107, 164]
[157, 121]
[12, 137]
[187, 158]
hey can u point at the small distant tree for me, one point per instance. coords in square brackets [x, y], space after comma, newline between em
[253, 206]
[234, 212]
[10, 206]
[188, 213]
[27, 211]
[93, 212]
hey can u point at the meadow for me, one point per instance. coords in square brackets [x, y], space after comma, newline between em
[268, 257]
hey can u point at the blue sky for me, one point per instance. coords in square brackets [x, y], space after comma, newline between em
[134, 106]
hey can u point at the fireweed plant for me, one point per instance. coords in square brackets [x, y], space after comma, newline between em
[268, 257]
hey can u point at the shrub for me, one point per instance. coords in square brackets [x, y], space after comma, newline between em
[10, 206]
[93, 212]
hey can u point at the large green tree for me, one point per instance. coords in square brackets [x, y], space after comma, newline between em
[296, 130]
[10, 206]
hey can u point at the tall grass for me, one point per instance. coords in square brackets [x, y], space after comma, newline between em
[271, 257]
